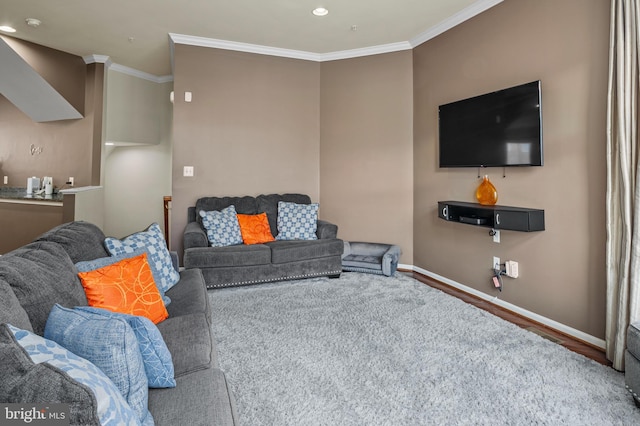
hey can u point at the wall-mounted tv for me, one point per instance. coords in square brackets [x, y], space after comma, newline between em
[498, 129]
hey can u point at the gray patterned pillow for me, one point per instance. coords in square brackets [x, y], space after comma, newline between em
[152, 241]
[222, 227]
[297, 221]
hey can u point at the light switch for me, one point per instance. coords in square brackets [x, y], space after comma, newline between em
[187, 96]
[187, 171]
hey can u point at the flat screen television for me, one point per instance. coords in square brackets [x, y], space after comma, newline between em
[498, 129]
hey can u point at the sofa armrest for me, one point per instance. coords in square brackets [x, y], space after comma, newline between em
[194, 236]
[390, 260]
[326, 230]
[174, 260]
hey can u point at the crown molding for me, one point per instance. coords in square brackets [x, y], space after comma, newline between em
[286, 53]
[366, 51]
[106, 60]
[243, 47]
[465, 14]
[140, 74]
[97, 59]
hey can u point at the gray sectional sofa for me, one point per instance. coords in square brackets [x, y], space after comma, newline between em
[36, 276]
[252, 264]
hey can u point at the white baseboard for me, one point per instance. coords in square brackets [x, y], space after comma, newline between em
[511, 307]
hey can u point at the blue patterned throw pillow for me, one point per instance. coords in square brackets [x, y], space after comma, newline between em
[158, 256]
[92, 265]
[297, 221]
[222, 227]
[112, 409]
[156, 356]
[111, 345]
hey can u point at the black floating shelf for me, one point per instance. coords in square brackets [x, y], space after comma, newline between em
[496, 217]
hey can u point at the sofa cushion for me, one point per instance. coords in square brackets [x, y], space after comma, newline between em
[188, 338]
[37, 369]
[108, 343]
[239, 255]
[269, 205]
[153, 242]
[297, 221]
[206, 395]
[42, 274]
[292, 251]
[155, 356]
[10, 309]
[222, 227]
[190, 295]
[81, 240]
[126, 286]
[255, 228]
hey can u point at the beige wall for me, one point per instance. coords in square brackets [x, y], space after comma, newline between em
[366, 146]
[252, 127]
[69, 147]
[136, 178]
[564, 44]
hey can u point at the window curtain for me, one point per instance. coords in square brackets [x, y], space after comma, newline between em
[623, 196]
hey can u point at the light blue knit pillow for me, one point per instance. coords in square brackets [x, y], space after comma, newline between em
[111, 345]
[152, 241]
[297, 221]
[156, 356]
[112, 409]
[222, 227]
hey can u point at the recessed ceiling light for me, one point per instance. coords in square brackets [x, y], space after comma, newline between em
[7, 29]
[320, 11]
[33, 22]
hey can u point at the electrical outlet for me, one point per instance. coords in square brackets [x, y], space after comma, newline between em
[6, 180]
[512, 268]
[71, 181]
[496, 263]
[496, 235]
[187, 171]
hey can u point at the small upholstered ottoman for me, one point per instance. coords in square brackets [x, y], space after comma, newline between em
[372, 258]
[632, 362]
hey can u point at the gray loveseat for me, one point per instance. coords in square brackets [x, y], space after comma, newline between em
[36, 276]
[632, 361]
[251, 264]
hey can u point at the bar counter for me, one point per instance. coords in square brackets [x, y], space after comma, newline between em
[20, 196]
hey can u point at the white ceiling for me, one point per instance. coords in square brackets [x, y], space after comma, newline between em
[135, 33]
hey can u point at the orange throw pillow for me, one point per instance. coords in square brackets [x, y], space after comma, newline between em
[127, 287]
[255, 228]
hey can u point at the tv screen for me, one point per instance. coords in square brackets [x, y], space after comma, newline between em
[498, 129]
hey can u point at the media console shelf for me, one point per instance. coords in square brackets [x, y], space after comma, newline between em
[496, 217]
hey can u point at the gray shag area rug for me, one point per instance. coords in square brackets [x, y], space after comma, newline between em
[372, 350]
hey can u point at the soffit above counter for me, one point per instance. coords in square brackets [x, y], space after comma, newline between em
[29, 91]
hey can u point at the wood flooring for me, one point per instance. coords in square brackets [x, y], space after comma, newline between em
[558, 337]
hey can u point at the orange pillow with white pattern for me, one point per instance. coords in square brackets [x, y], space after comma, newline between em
[255, 228]
[127, 287]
